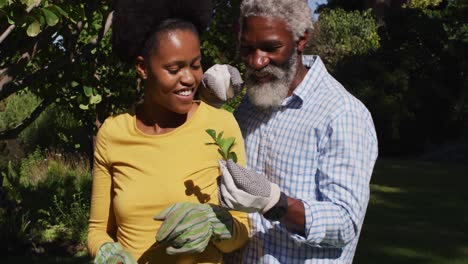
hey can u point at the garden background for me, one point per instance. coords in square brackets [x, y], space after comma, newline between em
[406, 60]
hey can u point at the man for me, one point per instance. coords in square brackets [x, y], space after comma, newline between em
[311, 146]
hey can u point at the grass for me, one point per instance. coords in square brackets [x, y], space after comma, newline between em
[418, 213]
[44, 260]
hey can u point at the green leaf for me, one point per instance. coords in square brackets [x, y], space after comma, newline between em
[222, 154]
[39, 16]
[10, 21]
[220, 136]
[34, 29]
[3, 3]
[84, 107]
[51, 18]
[58, 10]
[29, 3]
[233, 156]
[88, 91]
[95, 99]
[212, 133]
[226, 144]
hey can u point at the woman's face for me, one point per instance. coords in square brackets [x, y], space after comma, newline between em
[173, 71]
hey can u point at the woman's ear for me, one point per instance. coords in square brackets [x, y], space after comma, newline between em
[302, 42]
[141, 68]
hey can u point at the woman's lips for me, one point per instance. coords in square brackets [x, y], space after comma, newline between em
[185, 95]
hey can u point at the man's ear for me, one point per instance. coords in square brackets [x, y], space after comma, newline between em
[140, 67]
[302, 42]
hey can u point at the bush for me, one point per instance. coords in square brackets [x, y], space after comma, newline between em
[49, 194]
[14, 229]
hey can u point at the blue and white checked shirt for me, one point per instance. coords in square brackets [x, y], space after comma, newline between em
[320, 147]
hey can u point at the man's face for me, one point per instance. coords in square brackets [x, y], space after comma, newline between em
[269, 52]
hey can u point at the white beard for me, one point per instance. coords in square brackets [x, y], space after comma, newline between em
[272, 93]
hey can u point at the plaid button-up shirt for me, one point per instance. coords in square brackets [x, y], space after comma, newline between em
[319, 146]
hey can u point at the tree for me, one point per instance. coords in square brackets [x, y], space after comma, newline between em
[339, 34]
[57, 50]
[60, 51]
[415, 84]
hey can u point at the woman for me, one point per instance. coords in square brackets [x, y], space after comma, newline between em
[149, 160]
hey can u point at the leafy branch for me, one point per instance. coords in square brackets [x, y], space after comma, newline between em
[224, 144]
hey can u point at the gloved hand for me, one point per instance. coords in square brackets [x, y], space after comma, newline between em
[222, 82]
[189, 227]
[244, 190]
[113, 253]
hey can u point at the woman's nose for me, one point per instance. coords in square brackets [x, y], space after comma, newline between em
[188, 78]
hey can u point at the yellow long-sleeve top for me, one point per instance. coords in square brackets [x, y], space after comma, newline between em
[137, 175]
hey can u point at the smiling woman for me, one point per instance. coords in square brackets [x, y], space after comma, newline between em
[171, 72]
[149, 161]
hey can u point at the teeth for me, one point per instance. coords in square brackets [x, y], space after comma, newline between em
[184, 92]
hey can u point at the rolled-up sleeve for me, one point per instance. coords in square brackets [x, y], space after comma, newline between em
[347, 154]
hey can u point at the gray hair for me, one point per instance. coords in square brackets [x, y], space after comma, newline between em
[296, 13]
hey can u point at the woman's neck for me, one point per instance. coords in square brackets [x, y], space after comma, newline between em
[154, 119]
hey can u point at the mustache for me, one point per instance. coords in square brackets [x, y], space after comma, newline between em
[275, 71]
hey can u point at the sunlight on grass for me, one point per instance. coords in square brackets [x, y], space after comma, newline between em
[377, 199]
[403, 252]
[417, 214]
[386, 189]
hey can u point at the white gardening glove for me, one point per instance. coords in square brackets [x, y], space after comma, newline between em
[222, 82]
[244, 190]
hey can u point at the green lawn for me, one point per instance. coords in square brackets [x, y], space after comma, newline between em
[44, 260]
[418, 213]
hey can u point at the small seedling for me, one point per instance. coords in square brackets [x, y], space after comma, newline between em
[224, 144]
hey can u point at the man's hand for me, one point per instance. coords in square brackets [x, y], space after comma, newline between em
[189, 227]
[222, 82]
[244, 190]
[113, 253]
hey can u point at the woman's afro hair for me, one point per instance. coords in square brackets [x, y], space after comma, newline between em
[134, 21]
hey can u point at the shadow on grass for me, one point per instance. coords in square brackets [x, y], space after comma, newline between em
[418, 213]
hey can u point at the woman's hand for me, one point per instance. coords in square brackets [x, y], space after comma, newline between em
[113, 253]
[189, 227]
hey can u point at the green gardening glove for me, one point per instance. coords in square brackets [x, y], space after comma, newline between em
[113, 253]
[189, 227]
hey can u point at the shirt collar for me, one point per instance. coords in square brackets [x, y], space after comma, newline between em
[310, 82]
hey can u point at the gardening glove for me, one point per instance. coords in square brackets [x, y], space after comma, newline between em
[113, 253]
[244, 190]
[189, 227]
[222, 82]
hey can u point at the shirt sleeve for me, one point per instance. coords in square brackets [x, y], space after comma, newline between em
[241, 228]
[101, 222]
[347, 154]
